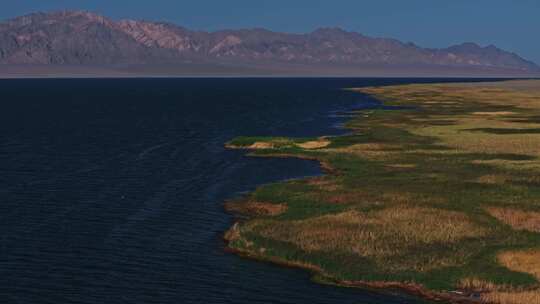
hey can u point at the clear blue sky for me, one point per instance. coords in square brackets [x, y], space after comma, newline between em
[510, 24]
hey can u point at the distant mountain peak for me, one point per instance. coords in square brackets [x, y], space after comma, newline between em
[82, 37]
[470, 45]
[466, 46]
[330, 30]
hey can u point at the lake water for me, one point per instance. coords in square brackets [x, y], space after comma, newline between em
[112, 191]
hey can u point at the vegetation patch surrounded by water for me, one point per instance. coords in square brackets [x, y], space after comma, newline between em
[441, 197]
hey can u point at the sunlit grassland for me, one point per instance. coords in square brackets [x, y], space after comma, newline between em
[443, 193]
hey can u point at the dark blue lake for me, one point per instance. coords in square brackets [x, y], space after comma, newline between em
[112, 191]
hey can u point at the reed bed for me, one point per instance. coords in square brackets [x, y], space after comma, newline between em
[443, 193]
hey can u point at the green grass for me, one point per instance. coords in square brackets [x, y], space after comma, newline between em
[407, 194]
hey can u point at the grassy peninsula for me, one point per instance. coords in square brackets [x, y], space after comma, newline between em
[440, 196]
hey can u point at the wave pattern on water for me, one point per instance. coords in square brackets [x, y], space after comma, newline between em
[112, 190]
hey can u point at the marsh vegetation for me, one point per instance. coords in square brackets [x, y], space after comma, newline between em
[441, 193]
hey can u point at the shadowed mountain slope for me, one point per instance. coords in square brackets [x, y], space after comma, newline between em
[83, 38]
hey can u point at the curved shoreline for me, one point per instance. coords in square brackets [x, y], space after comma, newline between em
[411, 289]
[456, 297]
[401, 143]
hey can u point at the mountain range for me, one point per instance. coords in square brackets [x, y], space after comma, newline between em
[84, 39]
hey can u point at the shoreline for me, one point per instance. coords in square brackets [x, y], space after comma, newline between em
[381, 287]
[410, 289]
[376, 201]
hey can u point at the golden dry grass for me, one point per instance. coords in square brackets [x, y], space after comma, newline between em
[314, 144]
[374, 151]
[496, 113]
[256, 208]
[277, 143]
[510, 164]
[522, 261]
[492, 179]
[261, 145]
[463, 136]
[527, 261]
[500, 294]
[326, 185]
[377, 234]
[518, 219]
[525, 144]
[479, 285]
[233, 233]
[402, 166]
[266, 209]
[524, 86]
[518, 297]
